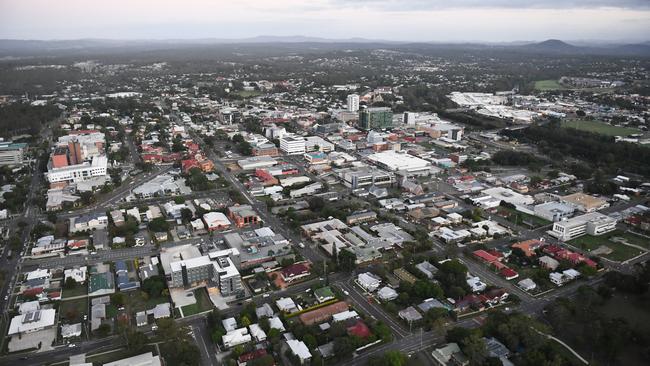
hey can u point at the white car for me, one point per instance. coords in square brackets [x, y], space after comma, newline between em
[301, 245]
[346, 293]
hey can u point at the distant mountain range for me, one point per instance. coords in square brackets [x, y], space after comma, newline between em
[551, 46]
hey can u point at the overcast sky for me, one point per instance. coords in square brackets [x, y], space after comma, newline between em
[405, 20]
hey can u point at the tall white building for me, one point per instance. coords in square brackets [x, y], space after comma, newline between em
[593, 223]
[292, 144]
[353, 102]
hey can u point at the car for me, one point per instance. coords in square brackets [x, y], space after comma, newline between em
[346, 292]
[154, 327]
[85, 317]
[6, 297]
[266, 295]
[72, 345]
[301, 245]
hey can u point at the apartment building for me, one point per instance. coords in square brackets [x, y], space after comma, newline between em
[292, 145]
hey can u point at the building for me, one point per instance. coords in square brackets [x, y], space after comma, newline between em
[12, 154]
[216, 221]
[236, 337]
[32, 321]
[216, 267]
[294, 272]
[323, 314]
[368, 281]
[402, 163]
[449, 355]
[79, 172]
[363, 177]
[410, 315]
[300, 350]
[145, 359]
[584, 202]
[243, 215]
[316, 143]
[592, 223]
[88, 222]
[554, 211]
[292, 145]
[387, 294]
[375, 118]
[353, 103]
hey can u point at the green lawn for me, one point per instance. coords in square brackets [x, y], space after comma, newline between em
[79, 290]
[138, 300]
[635, 239]
[203, 303]
[521, 218]
[544, 85]
[118, 354]
[248, 93]
[598, 127]
[73, 310]
[620, 252]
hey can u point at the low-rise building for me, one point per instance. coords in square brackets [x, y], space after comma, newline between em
[592, 223]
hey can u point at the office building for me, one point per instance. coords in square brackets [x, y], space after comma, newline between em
[79, 172]
[353, 102]
[592, 224]
[292, 145]
[375, 118]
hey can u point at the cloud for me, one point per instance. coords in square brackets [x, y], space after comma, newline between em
[417, 5]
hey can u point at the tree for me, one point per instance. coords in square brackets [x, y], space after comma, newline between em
[393, 358]
[159, 224]
[186, 214]
[135, 340]
[343, 347]
[474, 348]
[245, 321]
[118, 299]
[103, 330]
[153, 286]
[70, 283]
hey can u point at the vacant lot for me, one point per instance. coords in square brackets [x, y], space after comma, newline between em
[521, 218]
[73, 311]
[598, 127]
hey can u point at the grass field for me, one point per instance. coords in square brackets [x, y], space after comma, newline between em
[620, 252]
[138, 300]
[544, 85]
[598, 127]
[203, 303]
[521, 218]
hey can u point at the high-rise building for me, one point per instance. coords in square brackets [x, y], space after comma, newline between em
[353, 102]
[74, 149]
[375, 118]
[409, 118]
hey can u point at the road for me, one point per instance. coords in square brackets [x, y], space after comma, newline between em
[312, 254]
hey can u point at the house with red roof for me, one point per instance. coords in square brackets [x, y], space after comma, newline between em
[251, 356]
[359, 329]
[294, 272]
[508, 273]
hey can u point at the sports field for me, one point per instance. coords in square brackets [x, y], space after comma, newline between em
[598, 127]
[544, 85]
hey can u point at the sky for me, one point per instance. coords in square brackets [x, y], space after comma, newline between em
[396, 20]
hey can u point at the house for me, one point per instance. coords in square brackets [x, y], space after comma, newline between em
[324, 294]
[264, 311]
[236, 337]
[427, 269]
[276, 323]
[527, 284]
[344, 315]
[286, 304]
[88, 222]
[508, 273]
[566, 276]
[70, 330]
[229, 324]
[409, 314]
[449, 355]
[529, 246]
[294, 272]
[300, 350]
[77, 273]
[476, 284]
[548, 263]
[387, 294]
[258, 334]
[368, 281]
[431, 303]
[252, 356]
